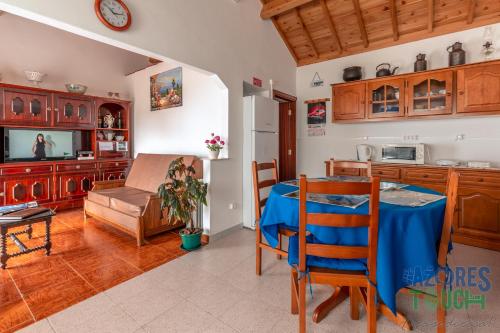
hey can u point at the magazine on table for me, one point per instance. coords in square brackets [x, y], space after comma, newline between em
[402, 197]
[14, 208]
[350, 201]
[383, 185]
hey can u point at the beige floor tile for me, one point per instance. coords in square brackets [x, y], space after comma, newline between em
[186, 318]
[41, 326]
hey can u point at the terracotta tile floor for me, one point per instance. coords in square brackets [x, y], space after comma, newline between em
[86, 259]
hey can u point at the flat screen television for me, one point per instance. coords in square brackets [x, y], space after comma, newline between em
[23, 144]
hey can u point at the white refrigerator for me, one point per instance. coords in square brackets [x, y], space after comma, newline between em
[260, 143]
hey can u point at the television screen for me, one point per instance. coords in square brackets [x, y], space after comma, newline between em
[39, 145]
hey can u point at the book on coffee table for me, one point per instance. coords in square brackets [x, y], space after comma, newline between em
[25, 214]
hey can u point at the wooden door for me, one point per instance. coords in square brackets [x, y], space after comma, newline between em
[74, 185]
[478, 213]
[73, 112]
[349, 101]
[288, 135]
[386, 98]
[478, 89]
[114, 174]
[16, 191]
[430, 94]
[28, 108]
[40, 189]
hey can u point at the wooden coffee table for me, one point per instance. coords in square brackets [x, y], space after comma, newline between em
[23, 249]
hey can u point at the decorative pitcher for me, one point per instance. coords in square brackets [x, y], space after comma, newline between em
[109, 120]
[456, 54]
[421, 63]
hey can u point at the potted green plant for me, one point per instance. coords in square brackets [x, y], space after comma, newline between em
[182, 193]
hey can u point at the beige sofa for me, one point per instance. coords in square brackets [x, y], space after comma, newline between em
[133, 205]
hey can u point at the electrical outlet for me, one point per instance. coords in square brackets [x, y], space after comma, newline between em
[232, 206]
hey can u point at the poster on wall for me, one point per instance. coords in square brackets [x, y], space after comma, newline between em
[316, 119]
[166, 89]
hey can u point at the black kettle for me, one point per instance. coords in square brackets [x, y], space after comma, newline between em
[385, 70]
[352, 73]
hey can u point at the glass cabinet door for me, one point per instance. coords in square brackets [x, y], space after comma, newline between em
[386, 98]
[430, 94]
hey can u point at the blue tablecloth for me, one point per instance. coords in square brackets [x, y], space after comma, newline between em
[408, 237]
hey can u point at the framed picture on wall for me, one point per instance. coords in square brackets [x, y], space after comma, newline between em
[166, 89]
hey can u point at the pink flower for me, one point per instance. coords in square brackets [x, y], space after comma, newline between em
[212, 142]
[217, 138]
[222, 143]
[207, 141]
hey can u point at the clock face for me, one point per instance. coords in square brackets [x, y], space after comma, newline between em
[114, 14]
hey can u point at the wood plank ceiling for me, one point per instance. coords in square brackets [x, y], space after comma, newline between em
[320, 30]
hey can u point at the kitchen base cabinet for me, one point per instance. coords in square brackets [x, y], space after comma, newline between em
[477, 218]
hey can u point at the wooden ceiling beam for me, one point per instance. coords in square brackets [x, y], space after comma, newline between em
[361, 22]
[306, 33]
[394, 19]
[287, 43]
[277, 7]
[331, 25]
[430, 15]
[470, 13]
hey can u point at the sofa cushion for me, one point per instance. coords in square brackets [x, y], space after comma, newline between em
[132, 204]
[128, 200]
[148, 171]
[123, 220]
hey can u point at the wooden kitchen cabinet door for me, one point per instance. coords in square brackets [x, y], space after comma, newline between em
[430, 94]
[349, 101]
[26, 107]
[386, 98]
[478, 89]
[73, 112]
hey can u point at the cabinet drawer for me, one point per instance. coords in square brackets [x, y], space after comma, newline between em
[425, 175]
[76, 167]
[480, 179]
[26, 170]
[346, 172]
[114, 165]
[385, 173]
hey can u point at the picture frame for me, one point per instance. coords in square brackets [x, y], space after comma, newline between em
[166, 89]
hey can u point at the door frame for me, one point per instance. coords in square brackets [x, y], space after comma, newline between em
[288, 134]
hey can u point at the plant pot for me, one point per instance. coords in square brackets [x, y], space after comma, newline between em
[191, 241]
[213, 154]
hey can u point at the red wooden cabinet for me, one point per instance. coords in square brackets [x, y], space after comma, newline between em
[74, 185]
[20, 190]
[478, 89]
[349, 101]
[71, 111]
[24, 107]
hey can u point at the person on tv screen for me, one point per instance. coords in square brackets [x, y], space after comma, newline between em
[39, 147]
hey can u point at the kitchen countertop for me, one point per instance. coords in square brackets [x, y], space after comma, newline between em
[399, 165]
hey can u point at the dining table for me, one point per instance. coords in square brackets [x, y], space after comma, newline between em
[408, 241]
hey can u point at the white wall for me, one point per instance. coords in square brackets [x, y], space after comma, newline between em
[181, 129]
[219, 36]
[64, 57]
[482, 137]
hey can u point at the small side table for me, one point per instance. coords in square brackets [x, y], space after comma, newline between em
[23, 249]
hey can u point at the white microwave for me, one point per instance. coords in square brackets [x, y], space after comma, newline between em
[403, 153]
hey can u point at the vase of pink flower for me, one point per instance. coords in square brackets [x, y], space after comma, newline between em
[214, 145]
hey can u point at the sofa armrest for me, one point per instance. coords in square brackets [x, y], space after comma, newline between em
[105, 184]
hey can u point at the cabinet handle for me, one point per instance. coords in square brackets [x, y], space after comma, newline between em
[370, 102]
[78, 167]
[461, 92]
[117, 164]
[2, 194]
[480, 180]
[49, 108]
[426, 176]
[28, 170]
[56, 110]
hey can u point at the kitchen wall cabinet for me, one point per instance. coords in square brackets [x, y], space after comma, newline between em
[477, 219]
[430, 94]
[465, 90]
[478, 89]
[349, 101]
[386, 98]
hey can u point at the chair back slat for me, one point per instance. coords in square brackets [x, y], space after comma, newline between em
[340, 188]
[338, 220]
[267, 183]
[265, 166]
[451, 204]
[350, 165]
[337, 251]
[371, 188]
[261, 184]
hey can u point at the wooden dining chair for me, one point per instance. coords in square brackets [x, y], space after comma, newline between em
[440, 297]
[367, 278]
[259, 185]
[349, 165]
